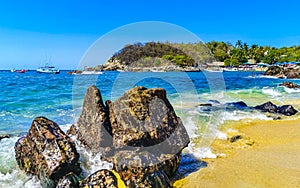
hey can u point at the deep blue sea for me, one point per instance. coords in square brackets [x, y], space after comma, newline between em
[59, 98]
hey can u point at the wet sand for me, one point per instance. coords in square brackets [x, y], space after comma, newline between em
[267, 155]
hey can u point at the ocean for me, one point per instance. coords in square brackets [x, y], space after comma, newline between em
[59, 98]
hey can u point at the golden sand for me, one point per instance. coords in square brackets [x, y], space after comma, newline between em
[267, 155]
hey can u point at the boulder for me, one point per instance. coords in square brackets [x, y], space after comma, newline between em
[70, 180]
[274, 71]
[287, 110]
[142, 168]
[93, 127]
[291, 73]
[267, 107]
[47, 152]
[290, 85]
[100, 179]
[142, 117]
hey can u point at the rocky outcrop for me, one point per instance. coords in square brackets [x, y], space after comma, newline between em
[100, 179]
[47, 152]
[139, 132]
[281, 72]
[290, 85]
[70, 180]
[287, 110]
[93, 126]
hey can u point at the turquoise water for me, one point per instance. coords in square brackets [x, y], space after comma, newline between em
[59, 97]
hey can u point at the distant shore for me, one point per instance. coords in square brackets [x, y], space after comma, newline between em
[266, 155]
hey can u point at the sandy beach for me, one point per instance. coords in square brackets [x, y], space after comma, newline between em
[267, 155]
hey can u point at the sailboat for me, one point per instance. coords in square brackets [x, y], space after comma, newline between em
[48, 69]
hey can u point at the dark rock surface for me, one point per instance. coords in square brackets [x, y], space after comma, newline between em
[290, 85]
[140, 128]
[47, 152]
[100, 179]
[287, 110]
[93, 126]
[70, 180]
[281, 72]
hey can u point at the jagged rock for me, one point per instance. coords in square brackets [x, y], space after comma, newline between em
[70, 180]
[267, 107]
[290, 85]
[142, 168]
[142, 117]
[4, 136]
[93, 126]
[291, 73]
[47, 152]
[287, 110]
[274, 70]
[100, 179]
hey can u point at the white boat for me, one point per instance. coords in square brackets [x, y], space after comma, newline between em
[48, 70]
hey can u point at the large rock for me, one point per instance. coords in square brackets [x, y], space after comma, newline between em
[47, 152]
[291, 73]
[143, 117]
[290, 85]
[142, 168]
[274, 71]
[100, 179]
[144, 136]
[70, 180]
[93, 126]
[287, 110]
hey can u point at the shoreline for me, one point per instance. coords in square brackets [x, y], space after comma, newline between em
[266, 155]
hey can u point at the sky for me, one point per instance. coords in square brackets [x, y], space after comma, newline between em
[32, 31]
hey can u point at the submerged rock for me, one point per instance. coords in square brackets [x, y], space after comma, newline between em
[290, 85]
[100, 179]
[47, 152]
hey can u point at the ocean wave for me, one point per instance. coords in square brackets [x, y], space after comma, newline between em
[271, 91]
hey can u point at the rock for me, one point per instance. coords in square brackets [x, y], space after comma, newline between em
[205, 104]
[93, 126]
[238, 105]
[273, 71]
[47, 152]
[267, 107]
[142, 117]
[70, 180]
[4, 136]
[100, 179]
[291, 73]
[141, 169]
[287, 110]
[290, 85]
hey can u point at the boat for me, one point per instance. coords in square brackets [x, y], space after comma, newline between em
[48, 70]
[18, 71]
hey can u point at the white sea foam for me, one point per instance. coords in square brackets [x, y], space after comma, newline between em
[291, 90]
[271, 92]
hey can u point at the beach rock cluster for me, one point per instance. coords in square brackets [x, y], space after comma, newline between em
[281, 72]
[139, 134]
[287, 110]
[290, 85]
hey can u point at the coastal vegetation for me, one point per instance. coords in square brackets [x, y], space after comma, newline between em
[241, 52]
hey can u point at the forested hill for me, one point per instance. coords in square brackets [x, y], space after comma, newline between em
[160, 55]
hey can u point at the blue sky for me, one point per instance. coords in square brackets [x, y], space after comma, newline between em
[31, 30]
